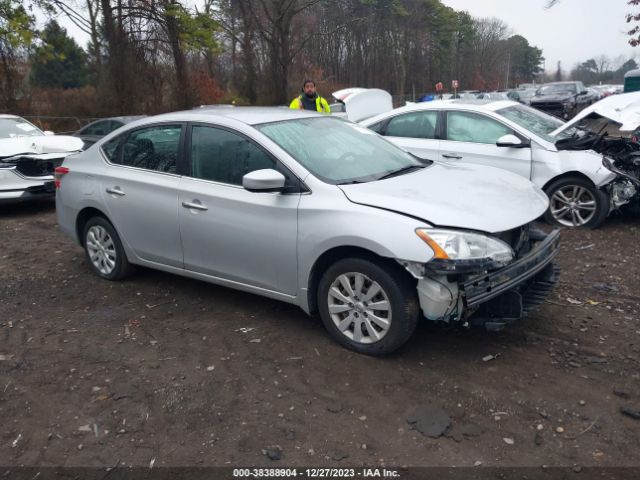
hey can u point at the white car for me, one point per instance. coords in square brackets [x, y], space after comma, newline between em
[28, 157]
[515, 137]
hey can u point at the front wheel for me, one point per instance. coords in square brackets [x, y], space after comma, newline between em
[576, 202]
[368, 306]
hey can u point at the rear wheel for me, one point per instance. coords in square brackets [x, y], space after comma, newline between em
[104, 251]
[367, 306]
[576, 202]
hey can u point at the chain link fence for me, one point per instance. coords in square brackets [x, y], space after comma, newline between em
[59, 125]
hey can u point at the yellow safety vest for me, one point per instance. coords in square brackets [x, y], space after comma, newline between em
[321, 104]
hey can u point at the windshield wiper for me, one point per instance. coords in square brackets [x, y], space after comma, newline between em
[401, 171]
[350, 182]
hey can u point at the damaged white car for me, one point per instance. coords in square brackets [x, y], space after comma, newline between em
[561, 159]
[28, 158]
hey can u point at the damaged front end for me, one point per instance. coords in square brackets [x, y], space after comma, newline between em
[620, 155]
[492, 293]
[28, 175]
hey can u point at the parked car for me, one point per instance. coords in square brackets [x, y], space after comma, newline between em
[526, 94]
[313, 210]
[28, 157]
[94, 131]
[561, 99]
[517, 138]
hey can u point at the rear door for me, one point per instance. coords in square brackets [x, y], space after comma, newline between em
[471, 137]
[415, 132]
[227, 231]
[140, 190]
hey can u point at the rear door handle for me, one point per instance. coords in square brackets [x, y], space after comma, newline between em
[194, 205]
[452, 155]
[115, 191]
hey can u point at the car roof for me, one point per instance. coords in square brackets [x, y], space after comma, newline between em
[247, 115]
[469, 104]
[6, 115]
[123, 119]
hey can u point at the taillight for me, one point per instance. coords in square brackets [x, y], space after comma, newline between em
[58, 173]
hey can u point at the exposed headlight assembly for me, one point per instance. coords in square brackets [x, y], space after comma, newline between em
[460, 251]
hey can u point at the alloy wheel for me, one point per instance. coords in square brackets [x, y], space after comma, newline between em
[573, 205]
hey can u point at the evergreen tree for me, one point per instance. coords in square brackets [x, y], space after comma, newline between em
[59, 62]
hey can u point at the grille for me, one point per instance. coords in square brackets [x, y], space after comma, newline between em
[30, 167]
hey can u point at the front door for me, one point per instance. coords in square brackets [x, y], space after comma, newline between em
[227, 231]
[471, 138]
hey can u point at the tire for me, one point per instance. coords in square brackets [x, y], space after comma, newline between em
[396, 289]
[561, 195]
[103, 249]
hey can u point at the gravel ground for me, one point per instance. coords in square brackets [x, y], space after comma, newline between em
[179, 372]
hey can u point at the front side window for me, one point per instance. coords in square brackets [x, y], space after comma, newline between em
[413, 125]
[222, 156]
[557, 88]
[152, 148]
[98, 128]
[535, 121]
[474, 128]
[339, 152]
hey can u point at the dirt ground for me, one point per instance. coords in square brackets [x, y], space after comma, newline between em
[179, 372]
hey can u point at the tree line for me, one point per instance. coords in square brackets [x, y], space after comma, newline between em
[149, 56]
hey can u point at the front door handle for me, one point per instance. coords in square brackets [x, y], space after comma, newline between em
[194, 205]
[452, 156]
[115, 191]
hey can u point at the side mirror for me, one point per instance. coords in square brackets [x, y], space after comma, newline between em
[266, 180]
[48, 133]
[511, 141]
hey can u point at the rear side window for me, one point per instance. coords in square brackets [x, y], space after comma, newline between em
[413, 125]
[222, 156]
[377, 127]
[474, 128]
[98, 128]
[153, 148]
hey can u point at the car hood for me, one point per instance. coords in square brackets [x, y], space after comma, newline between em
[361, 103]
[461, 196]
[623, 109]
[557, 97]
[10, 147]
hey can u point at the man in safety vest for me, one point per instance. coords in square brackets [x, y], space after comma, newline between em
[309, 99]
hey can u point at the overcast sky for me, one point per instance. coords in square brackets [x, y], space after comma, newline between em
[570, 32]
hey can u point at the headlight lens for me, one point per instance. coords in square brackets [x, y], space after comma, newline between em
[466, 247]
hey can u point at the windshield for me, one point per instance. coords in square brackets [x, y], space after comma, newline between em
[557, 88]
[337, 151]
[536, 122]
[17, 127]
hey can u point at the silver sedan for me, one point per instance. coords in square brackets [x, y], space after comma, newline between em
[311, 210]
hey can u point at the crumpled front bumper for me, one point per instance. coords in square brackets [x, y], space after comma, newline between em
[496, 298]
[15, 187]
[508, 294]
